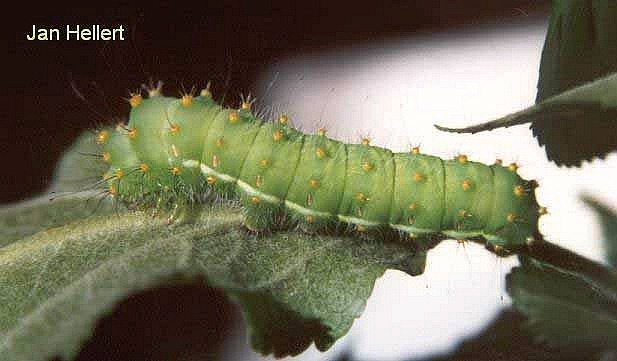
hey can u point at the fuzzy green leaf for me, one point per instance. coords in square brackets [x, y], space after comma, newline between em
[80, 167]
[575, 116]
[28, 217]
[608, 219]
[294, 289]
[70, 196]
[565, 308]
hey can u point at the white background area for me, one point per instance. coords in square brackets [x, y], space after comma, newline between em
[394, 92]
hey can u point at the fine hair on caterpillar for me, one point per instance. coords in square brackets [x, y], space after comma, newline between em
[178, 153]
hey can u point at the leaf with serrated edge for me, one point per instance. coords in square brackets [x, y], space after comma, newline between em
[575, 124]
[596, 100]
[563, 308]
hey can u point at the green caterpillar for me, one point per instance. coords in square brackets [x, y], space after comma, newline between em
[174, 151]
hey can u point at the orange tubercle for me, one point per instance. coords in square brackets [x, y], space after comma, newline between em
[466, 185]
[278, 135]
[132, 133]
[367, 166]
[135, 100]
[102, 136]
[186, 100]
[519, 190]
[233, 117]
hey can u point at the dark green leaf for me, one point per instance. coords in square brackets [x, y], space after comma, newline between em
[505, 339]
[580, 47]
[565, 308]
[608, 219]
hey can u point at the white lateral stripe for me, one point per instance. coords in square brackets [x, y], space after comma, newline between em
[458, 234]
[209, 171]
[191, 163]
[305, 211]
[254, 192]
[360, 221]
[412, 229]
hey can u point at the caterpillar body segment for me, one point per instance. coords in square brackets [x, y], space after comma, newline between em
[418, 198]
[147, 123]
[173, 151]
[316, 193]
[468, 197]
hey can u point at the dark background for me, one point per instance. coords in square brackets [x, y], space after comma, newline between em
[185, 44]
